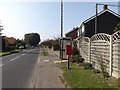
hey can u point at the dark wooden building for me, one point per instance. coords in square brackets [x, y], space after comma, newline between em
[73, 33]
[107, 20]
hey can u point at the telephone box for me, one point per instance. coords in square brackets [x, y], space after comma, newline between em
[68, 50]
[64, 41]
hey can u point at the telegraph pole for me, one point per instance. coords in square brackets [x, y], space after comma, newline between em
[96, 18]
[61, 18]
[61, 30]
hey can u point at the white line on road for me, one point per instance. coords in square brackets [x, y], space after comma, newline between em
[14, 58]
[39, 57]
[46, 60]
[23, 54]
[38, 60]
[1, 65]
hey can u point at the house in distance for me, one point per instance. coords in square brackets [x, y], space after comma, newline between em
[73, 33]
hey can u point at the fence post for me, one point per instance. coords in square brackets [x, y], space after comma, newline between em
[89, 51]
[111, 54]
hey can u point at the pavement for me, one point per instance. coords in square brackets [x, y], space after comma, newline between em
[48, 73]
[29, 69]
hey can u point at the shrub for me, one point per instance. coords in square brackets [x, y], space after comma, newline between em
[106, 74]
[75, 51]
[10, 48]
[83, 64]
[56, 46]
[80, 59]
[77, 58]
[88, 66]
[119, 82]
[96, 71]
[50, 46]
[73, 58]
[75, 44]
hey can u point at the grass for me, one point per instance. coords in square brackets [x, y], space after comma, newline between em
[77, 77]
[10, 52]
[44, 52]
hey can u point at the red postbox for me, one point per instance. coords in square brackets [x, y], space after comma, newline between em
[68, 50]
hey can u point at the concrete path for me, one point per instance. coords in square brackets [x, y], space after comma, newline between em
[47, 72]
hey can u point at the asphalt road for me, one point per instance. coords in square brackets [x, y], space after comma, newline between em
[19, 69]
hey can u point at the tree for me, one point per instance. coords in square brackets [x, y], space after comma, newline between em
[117, 28]
[48, 43]
[1, 28]
[33, 39]
[20, 42]
[3, 44]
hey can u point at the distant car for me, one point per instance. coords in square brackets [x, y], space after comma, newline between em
[32, 47]
[21, 47]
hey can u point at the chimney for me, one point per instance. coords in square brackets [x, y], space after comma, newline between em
[105, 7]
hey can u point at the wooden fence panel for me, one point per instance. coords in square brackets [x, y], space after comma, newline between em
[100, 54]
[116, 55]
[84, 48]
[102, 50]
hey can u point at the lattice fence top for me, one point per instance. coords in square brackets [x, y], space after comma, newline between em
[116, 36]
[101, 36]
[86, 39]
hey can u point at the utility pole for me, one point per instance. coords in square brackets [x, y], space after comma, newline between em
[61, 41]
[61, 18]
[96, 19]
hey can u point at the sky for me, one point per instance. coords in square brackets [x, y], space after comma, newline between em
[20, 18]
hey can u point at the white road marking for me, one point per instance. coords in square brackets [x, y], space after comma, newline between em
[38, 60]
[14, 58]
[46, 60]
[39, 57]
[23, 54]
[1, 65]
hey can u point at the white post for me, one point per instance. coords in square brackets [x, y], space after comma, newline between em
[111, 54]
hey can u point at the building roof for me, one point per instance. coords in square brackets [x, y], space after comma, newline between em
[102, 12]
[10, 40]
[74, 29]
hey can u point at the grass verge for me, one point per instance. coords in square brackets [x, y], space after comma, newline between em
[10, 52]
[78, 77]
[44, 52]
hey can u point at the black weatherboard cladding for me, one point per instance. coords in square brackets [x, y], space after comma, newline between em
[106, 24]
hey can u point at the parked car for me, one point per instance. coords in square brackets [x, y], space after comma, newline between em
[22, 47]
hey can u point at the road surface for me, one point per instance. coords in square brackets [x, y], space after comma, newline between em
[19, 69]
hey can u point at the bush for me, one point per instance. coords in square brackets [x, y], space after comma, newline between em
[56, 47]
[106, 74]
[75, 51]
[96, 71]
[119, 82]
[77, 58]
[50, 46]
[83, 64]
[10, 48]
[88, 66]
